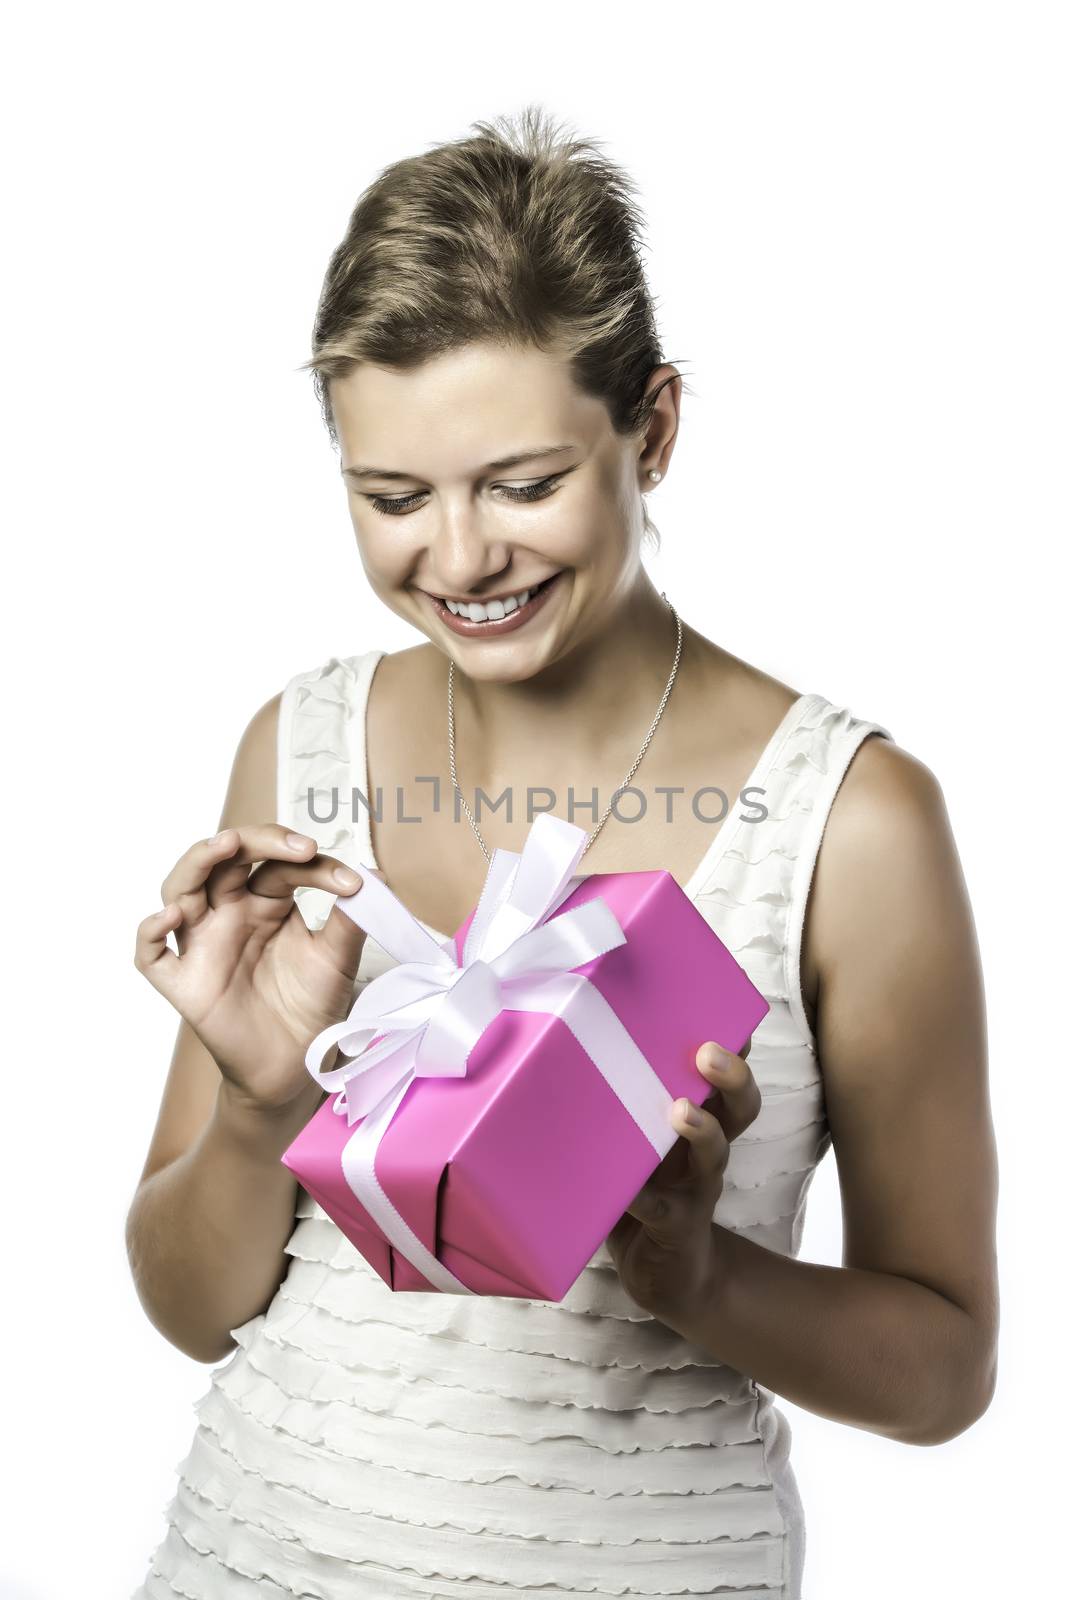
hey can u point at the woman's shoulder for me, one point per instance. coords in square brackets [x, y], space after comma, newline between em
[340, 674]
[758, 715]
[876, 789]
[886, 793]
[886, 833]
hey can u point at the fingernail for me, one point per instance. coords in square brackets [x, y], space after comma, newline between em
[296, 841]
[347, 880]
[691, 1114]
[715, 1056]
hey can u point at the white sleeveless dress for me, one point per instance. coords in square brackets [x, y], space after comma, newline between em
[365, 1445]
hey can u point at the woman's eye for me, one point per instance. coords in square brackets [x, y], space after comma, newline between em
[530, 491]
[396, 505]
[392, 506]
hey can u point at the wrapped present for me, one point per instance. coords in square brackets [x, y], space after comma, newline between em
[507, 1092]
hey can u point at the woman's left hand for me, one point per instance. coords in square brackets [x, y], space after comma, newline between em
[663, 1244]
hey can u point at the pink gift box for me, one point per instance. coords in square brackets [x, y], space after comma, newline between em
[514, 1174]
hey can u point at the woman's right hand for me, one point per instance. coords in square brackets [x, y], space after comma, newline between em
[250, 978]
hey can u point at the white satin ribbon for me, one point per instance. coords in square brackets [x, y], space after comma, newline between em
[430, 1010]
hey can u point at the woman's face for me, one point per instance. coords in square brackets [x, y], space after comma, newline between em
[440, 511]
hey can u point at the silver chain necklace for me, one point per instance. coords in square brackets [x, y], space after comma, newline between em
[647, 741]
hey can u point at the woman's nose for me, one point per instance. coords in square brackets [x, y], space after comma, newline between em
[462, 555]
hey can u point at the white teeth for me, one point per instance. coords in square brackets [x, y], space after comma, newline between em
[494, 610]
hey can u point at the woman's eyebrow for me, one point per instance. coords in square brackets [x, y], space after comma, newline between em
[514, 460]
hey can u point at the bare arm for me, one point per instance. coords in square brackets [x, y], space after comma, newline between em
[206, 1233]
[214, 1208]
[902, 1338]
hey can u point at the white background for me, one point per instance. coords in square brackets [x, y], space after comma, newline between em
[856, 239]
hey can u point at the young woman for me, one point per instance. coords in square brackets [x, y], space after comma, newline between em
[488, 365]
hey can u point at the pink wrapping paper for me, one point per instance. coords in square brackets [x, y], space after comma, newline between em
[513, 1175]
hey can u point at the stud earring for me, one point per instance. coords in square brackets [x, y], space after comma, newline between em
[655, 476]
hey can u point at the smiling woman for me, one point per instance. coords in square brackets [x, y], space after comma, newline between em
[466, 532]
[488, 367]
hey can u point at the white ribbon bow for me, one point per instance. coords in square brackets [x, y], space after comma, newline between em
[430, 1010]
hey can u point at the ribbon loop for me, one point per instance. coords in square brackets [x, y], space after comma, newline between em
[458, 1022]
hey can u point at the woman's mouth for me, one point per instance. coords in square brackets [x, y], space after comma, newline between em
[495, 617]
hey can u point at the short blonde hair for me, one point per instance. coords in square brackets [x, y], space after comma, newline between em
[518, 235]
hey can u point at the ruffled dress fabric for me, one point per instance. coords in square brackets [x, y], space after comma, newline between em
[364, 1445]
